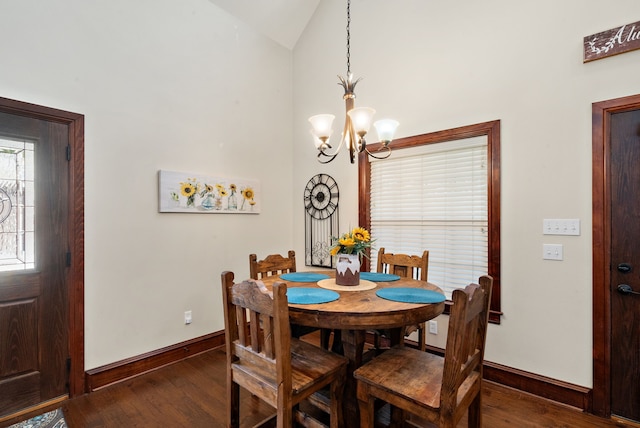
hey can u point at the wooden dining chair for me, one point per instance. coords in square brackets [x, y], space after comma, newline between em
[438, 389]
[273, 264]
[264, 359]
[406, 266]
[276, 264]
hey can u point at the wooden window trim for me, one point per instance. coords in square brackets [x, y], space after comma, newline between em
[489, 129]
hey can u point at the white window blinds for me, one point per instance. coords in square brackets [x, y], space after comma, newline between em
[434, 197]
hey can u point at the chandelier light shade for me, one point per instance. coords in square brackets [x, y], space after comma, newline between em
[361, 118]
[386, 129]
[357, 121]
[322, 126]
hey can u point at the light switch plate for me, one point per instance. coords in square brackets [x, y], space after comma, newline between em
[552, 252]
[560, 226]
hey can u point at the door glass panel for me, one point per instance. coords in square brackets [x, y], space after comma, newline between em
[17, 205]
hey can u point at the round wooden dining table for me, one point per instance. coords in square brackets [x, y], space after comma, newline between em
[355, 312]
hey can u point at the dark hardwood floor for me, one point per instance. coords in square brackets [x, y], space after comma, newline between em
[191, 393]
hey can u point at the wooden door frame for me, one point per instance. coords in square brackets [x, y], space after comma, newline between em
[75, 278]
[601, 206]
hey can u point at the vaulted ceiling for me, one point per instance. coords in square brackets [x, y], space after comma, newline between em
[281, 20]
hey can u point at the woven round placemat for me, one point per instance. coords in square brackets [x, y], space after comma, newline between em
[330, 284]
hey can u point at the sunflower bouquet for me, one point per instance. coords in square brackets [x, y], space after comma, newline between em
[354, 242]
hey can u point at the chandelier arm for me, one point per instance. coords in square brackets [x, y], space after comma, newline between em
[386, 155]
[331, 157]
[322, 151]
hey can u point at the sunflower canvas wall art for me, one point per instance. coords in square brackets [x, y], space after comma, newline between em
[183, 192]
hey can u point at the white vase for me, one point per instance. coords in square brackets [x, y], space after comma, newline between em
[348, 269]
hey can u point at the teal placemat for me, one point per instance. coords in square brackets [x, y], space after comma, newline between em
[378, 277]
[410, 295]
[303, 276]
[310, 296]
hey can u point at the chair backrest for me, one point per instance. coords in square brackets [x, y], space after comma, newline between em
[466, 337]
[257, 327]
[404, 265]
[273, 264]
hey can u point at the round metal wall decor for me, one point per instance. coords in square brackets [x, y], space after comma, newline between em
[321, 196]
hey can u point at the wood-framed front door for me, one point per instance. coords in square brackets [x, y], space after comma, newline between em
[41, 303]
[616, 258]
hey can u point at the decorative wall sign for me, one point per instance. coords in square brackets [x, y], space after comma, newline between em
[321, 219]
[183, 192]
[612, 42]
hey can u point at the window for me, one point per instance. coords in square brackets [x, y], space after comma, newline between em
[16, 205]
[439, 192]
[435, 198]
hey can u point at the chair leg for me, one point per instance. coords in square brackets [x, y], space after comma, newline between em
[366, 403]
[397, 417]
[337, 392]
[233, 404]
[422, 337]
[284, 413]
[325, 336]
[376, 340]
[336, 347]
[446, 423]
[475, 412]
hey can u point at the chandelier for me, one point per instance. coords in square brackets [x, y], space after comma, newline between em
[357, 121]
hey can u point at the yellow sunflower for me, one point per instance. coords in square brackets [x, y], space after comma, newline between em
[187, 189]
[248, 193]
[361, 234]
[347, 241]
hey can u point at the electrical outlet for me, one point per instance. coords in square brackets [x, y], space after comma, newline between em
[187, 317]
[433, 327]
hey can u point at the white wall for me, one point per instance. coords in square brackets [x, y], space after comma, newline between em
[439, 65]
[176, 85]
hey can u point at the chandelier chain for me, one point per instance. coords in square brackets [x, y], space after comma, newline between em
[348, 37]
